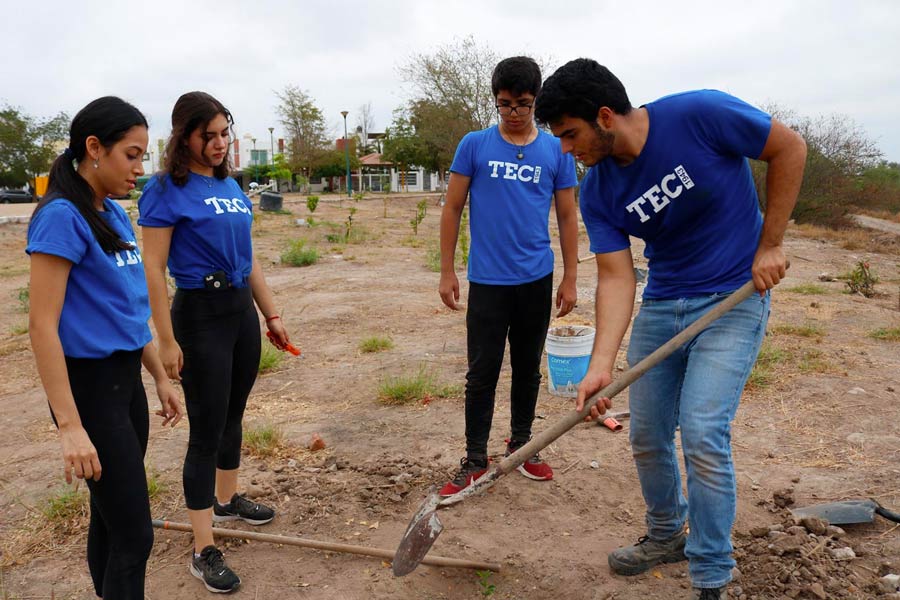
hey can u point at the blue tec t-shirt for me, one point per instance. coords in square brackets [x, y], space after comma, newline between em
[211, 220]
[510, 204]
[689, 195]
[106, 306]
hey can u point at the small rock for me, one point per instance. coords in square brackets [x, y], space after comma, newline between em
[795, 480]
[840, 554]
[278, 468]
[835, 532]
[814, 304]
[796, 530]
[316, 443]
[890, 388]
[889, 583]
[255, 491]
[736, 575]
[759, 532]
[595, 464]
[783, 497]
[815, 525]
[856, 391]
[776, 527]
[292, 463]
[818, 591]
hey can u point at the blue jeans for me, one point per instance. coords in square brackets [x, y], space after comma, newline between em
[697, 388]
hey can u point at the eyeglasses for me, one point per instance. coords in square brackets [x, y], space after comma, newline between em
[506, 110]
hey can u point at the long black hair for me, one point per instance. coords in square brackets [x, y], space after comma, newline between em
[109, 119]
[193, 110]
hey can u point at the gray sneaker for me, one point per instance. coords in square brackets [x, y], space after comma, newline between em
[636, 559]
[710, 594]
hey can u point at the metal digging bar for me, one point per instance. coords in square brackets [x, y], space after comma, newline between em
[287, 540]
[425, 526]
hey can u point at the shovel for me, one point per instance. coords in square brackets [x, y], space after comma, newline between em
[426, 526]
[848, 512]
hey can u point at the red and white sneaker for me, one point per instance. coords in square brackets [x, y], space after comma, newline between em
[534, 467]
[468, 473]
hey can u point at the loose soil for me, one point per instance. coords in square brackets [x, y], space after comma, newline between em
[819, 424]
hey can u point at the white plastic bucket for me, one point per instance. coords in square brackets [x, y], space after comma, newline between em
[568, 355]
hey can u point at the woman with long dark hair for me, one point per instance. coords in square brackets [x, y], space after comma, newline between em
[89, 333]
[196, 219]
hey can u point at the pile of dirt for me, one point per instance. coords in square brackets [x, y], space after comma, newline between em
[797, 558]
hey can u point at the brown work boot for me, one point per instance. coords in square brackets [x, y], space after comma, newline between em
[636, 559]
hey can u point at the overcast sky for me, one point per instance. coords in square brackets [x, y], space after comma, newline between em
[815, 57]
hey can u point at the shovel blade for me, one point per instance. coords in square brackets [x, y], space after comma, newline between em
[840, 513]
[423, 530]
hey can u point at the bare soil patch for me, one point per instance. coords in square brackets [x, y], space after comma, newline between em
[823, 422]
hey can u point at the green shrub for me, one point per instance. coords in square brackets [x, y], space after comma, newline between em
[311, 203]
[298, 255]
[263, 440]
[862, 280]
[375, 344]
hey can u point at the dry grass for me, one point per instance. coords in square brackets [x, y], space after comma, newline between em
[886, 334]
[853, 239]
[808, 330]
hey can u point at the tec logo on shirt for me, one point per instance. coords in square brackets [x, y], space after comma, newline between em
[223, 205]
[514, 171]
[660, 195]
[128, 257]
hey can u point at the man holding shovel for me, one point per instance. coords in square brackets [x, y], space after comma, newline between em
[675, 173]
[512, 172]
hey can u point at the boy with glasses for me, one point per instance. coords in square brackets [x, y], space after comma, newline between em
[512, 172]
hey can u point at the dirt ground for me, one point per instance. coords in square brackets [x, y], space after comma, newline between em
[819, 424]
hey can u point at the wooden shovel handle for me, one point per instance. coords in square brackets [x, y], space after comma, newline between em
[549, 435]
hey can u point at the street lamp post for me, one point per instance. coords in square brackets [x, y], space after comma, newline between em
[272, 144]
[344, 113]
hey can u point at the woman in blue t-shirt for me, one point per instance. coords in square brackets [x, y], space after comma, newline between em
[89, 334]
[196, 219]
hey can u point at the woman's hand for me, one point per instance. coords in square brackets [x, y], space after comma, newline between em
[79, 455]
[172, 359]
[171, 410]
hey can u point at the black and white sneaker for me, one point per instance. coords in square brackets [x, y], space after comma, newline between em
[241, 508]
[210, 568]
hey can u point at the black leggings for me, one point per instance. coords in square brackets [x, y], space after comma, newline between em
[494, 312]
[218, 332]
[113, 409]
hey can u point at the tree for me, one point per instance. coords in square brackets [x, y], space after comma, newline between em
[26, 145]
[457, 74]
[401, 144]
[305, 126]
[365, 124]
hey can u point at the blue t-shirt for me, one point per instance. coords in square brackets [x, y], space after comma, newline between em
[510, 204]
[106, 307]
[689, 195]
[211, 220]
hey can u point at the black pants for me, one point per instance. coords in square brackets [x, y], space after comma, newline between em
[521, 312]
[113, 409]
[218, 332]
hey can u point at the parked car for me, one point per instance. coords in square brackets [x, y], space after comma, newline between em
[15, 196]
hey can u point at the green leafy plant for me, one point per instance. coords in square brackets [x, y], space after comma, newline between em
[862, 280]
[421, 210]
[433, 258]
[485, 586]
[349, 224]
[359, 196]
[311, 203]
[764, 370]
[375, 344]
[65, 505]
[298, 255]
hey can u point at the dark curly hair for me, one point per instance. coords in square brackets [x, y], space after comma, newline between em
[580, 88]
